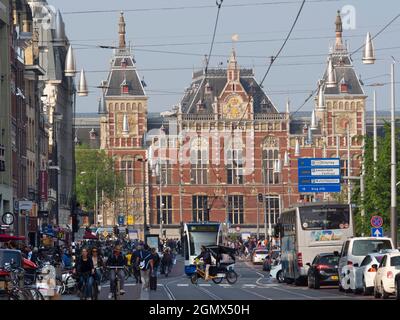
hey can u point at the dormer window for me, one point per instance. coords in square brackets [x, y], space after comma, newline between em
[208, 88]
[124, 87]
[344, 88]
[123, 63]
[201, 106]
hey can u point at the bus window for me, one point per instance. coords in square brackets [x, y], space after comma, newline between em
[320, 218]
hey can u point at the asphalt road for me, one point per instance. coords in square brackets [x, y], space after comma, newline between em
[252, 284]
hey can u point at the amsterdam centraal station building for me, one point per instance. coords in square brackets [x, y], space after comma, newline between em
[224, 153]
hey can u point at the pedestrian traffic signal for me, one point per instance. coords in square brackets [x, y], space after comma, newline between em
[260, 197]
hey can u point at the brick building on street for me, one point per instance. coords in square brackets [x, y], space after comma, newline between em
[226, 143]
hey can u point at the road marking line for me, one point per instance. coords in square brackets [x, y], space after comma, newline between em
[182, 285]
[205, 285]
[295, 293]
[212, 295]
[225, 285]
[256, 294]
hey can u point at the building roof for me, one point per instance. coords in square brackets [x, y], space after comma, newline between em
[216, 79]
[344, 71]
[123, 70]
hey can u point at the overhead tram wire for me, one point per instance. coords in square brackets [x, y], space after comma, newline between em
[283, 45]
[379, 32]
[273, 58]
[238, 5]
[355, 51]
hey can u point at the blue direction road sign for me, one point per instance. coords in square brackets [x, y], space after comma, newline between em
[319, 175]
[120, 220]
[376, 232]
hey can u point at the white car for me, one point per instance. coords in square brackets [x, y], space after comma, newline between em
[259, 255]
[384, 283]
[354, 250]
[276, 272]
[361, 279]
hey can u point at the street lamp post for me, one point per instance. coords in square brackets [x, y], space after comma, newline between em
[393, 202]
[144, 196]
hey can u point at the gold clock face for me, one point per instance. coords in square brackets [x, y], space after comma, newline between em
[234, 107]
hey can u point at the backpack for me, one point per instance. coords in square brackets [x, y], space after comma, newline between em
[142, 262]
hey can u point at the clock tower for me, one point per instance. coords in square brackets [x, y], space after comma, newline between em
[123, 110]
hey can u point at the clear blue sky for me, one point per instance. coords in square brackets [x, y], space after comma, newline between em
[189, 31]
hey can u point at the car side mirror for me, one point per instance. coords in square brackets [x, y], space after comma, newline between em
[355, 265]
[336, 253]
[308, 264]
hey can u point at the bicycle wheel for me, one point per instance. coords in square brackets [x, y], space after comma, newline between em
[127, 273]
[217, 280]
[116, 292]
[231, 277]
[95, 291]
[194, 278]
[61, 288]
[27, 294]
[36, 294]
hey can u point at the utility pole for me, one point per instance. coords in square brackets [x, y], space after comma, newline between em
[393, 202]
[375, 132]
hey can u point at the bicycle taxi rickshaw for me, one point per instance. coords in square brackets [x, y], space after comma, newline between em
[224, 268]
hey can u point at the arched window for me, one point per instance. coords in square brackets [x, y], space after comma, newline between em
[234, 158]
[199, 161]
[270, 155]
[126, 170]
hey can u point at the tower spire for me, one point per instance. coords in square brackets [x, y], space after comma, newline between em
[339, 30]
[122, 32]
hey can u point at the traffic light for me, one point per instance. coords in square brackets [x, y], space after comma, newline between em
[2, 158]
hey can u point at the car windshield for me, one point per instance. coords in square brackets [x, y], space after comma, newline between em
[395, 261]
[323, 218]
[363, 247]
[261, 252]
[329, 260]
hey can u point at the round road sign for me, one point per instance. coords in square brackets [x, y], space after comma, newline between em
[376, 221]
[8, 218]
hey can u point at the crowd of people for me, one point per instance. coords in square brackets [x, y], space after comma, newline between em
[87, 259]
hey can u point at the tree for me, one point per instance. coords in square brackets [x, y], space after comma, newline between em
[377, 183]
[88, 162]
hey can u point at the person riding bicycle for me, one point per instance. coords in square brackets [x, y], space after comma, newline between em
[97, 263]
[85, 270]
[206, 256]
[116, 260]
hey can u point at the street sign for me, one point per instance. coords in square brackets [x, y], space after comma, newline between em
[120, 220]
[318, 175]
[376, 221]
[131, 220]
[376, 232]
[25, 205]
[8, 218]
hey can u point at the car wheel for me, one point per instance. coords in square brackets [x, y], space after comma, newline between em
[377, 295]
[385, 295]
[309, 283]
[316, 283]
[397, 289]
[280, 277]
[365, 290]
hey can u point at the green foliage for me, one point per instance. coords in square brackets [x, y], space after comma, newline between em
[377, 183]
[89, 164]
